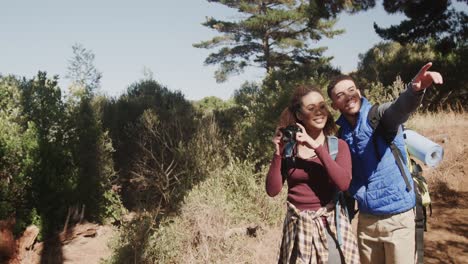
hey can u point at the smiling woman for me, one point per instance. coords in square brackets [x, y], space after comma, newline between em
[313, 176]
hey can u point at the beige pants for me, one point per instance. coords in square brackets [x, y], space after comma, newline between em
[386, 239]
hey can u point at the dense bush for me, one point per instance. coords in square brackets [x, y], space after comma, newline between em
[131, 130]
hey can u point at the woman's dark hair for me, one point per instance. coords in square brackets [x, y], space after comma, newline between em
[289, 114]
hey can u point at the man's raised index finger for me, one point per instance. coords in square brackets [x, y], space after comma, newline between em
[425, 68]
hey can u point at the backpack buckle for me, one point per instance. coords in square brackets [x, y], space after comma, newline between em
[419, 223]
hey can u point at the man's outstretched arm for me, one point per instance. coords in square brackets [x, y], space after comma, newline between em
[397, 112]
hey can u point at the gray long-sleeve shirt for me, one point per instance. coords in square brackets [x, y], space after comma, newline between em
[393, 114]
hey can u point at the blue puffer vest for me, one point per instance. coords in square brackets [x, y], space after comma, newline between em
[378, 187]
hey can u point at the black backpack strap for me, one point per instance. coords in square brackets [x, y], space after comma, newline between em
[420, 216]
[420, 227]
[374, 120]
[419, 245]
[399, 159]
[373, 116]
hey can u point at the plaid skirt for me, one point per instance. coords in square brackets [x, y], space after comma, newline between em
[305, 233]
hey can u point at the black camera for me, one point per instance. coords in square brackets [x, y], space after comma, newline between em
[289, 133]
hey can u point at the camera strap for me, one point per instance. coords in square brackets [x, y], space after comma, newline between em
[289, 148]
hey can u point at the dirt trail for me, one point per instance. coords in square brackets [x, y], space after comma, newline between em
[446, 240]
[85, 243]
[89, 249]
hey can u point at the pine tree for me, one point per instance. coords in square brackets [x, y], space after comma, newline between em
[274, 34]
[429, 20]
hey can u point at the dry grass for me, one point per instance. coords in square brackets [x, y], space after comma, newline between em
[211, 225]
[439, 121]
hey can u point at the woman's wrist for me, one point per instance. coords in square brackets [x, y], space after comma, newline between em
[313, 144]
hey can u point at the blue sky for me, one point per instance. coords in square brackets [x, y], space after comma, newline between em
[127, 36]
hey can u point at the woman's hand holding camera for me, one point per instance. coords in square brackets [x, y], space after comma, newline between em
[278, 142]
[304, 139]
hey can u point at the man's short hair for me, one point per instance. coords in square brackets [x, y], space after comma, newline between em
[336, 80]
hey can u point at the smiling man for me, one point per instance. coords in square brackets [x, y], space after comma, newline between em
[385, 197]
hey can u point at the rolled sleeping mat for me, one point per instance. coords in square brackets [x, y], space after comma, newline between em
[423, 149]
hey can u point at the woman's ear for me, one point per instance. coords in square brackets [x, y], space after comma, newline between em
[298, 115]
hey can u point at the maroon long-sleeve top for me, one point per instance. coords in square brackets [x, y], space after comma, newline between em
[311, 182]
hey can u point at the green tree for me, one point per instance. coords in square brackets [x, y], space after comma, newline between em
[53, 180]
[91, 146]
[386, 60]
[84, 76]
[210, 104]
[427, 20]
[274, 34]
[92, 151]
[18, 144]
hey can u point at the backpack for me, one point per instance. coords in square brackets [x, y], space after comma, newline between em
[423, 200]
